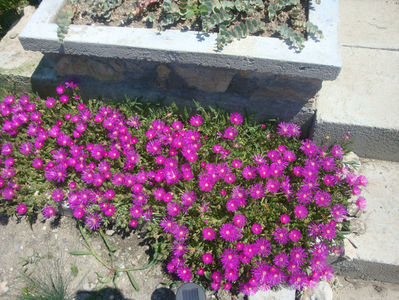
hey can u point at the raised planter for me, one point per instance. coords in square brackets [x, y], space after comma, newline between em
[261, 75]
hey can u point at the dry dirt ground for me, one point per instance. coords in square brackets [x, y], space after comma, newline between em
[356, 289]
[36, 247]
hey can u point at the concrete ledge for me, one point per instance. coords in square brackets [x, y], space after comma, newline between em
[367, 141]
[320, 59]
[373, 255]
[367, 270]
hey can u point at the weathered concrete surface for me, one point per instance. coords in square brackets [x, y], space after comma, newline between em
[354, 289]
[374, 254]
[369, 23]
[320, 59]
[16, 64]
[281, 294]
[322, 291]
[364, 100]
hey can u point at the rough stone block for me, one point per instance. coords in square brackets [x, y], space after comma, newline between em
[210, 80]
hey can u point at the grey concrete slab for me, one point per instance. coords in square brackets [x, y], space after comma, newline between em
[375, 254]
[369, 23]
[16, 64]
[320, 59]
[364, 100]
[281, 294]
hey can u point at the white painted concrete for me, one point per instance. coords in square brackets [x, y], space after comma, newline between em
[320, 59]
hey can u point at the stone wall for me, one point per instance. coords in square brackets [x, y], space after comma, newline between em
[264, 95]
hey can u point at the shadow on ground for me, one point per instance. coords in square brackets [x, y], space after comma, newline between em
[114, 294]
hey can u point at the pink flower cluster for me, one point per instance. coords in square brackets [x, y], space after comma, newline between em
[108, 167]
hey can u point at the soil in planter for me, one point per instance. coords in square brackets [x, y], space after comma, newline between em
[123, 15]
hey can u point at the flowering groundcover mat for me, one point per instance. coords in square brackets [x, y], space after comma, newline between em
[230, 203]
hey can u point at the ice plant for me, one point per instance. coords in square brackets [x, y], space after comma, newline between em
[235, 205]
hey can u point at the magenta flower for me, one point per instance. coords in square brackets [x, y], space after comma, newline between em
[78, 213]
[297, 256]
[288, 130]
[249, 172]
[179, 248]
[322, 198]
[21, 208]
[236, 163]
[8, 100]
[230, 133]
[263, 171]
[57, 195]
[337, 151]
[314, 229]
[196, 120]
[300, 211]
[259, 159]
[49, 211]
[93, 221]
[285, 219]
[7, 173]
[230, 275]
[298, 280]
[232, 204]
[188, 198]
[180, 233]
[281, 260]
[304, 196]
[281, 235]
[207, 258]
[184, 273]
[109, 211]
[328, 231]
[26, 148]
[6, 149]
[338, 212]
[229, 232]
[239, 220]
[309, 148]
[173, 209]
[256, 228]
[168, 225]
[60, 89]
[273, 186]
[257, 191]
[361, 203]
[295, 235]
[236, 118]
[263, 246]
[208, 234]
[50, 102]
[230, 260]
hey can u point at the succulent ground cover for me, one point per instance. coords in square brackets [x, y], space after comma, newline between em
[229, 19]
[228, 203]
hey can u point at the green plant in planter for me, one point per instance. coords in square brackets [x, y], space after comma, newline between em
[231, 20]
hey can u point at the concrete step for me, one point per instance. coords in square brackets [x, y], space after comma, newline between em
[374, 255]
[364, 100]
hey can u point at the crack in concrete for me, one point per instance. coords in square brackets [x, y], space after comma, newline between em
[371, 48]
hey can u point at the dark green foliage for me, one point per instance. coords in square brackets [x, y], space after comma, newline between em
[230, 19]
[11, 11]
